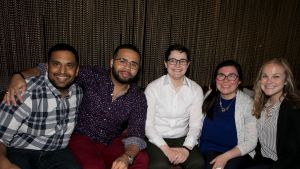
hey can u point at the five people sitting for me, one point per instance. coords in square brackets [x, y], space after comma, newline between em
[172, 123]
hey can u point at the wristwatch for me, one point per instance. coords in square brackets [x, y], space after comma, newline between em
[129, 159]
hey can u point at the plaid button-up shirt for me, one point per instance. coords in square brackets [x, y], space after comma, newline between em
[45, 121]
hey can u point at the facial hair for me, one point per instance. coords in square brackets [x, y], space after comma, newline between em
[59, 88]
[119, 79]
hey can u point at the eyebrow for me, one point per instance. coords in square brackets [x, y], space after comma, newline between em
[122, 57]
[178, 59]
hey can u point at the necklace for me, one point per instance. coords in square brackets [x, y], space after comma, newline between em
[224, 109]
[269, 107]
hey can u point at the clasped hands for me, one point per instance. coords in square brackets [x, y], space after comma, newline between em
[176, 155]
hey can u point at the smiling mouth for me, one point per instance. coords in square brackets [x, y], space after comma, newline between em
[269, 87]
[62, 78]
[177, 70]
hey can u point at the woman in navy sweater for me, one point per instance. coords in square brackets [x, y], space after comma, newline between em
[229, 134]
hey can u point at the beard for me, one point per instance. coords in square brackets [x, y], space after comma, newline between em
[119, 79]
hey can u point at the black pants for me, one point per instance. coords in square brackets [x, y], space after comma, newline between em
[261, 162]
[36, 159]
[241, 162]
[158, 160]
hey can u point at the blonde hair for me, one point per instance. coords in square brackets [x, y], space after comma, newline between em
[290, 90]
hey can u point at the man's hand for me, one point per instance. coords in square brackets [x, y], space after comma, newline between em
[15, 89]
[120, 163]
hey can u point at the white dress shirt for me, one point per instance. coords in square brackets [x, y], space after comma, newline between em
[174, 114]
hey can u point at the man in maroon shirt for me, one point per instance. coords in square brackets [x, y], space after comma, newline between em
[111, 103]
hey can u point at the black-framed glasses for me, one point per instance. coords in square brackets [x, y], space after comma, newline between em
[173, 61]
[230, 77]
[125, 62]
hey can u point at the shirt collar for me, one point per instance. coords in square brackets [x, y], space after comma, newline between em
[167, 80]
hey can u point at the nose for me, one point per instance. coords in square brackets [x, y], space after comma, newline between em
[127, 65]
[269, 80]
[62, 69]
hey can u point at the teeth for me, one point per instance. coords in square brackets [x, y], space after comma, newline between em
[62, 78]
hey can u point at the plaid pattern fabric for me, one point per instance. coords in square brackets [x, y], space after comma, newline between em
[44, 121]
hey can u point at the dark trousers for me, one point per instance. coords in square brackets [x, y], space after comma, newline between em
[36, 159]
[241, 162]
[158, 160]
[261, 162]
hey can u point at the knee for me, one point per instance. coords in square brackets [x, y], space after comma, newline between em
[196, 163]
[141, 161]
[73, 166]
[159, 164]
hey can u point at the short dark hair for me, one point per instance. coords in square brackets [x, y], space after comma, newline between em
[179, 48]
[63, 46]
[126, 46]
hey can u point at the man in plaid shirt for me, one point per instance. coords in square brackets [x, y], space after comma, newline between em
[35, 133]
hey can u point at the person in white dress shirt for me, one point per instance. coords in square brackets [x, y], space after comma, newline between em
[174, 114]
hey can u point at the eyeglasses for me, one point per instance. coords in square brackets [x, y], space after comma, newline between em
[125, 62]
[173, 61]
[230, 77]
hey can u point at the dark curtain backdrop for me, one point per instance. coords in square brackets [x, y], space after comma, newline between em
[248, 31]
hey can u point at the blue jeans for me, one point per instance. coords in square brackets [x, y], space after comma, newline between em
[37, 159]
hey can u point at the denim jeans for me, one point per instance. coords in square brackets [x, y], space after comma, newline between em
[37, 159]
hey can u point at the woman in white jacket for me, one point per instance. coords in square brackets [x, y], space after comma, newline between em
[229, 134]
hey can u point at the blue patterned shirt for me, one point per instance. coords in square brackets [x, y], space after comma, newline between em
[44, 121]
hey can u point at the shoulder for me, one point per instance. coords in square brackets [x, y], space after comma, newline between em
[159, 81]
[89, 75]
[291, 106]
[92, 70]
[156, 83]
[35, 83]
[243, 97]
[193, 85]
[244, 102]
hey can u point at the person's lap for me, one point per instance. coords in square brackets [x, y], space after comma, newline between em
[34, 159]
[159, 160]
[93, 155]
[235, 163]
